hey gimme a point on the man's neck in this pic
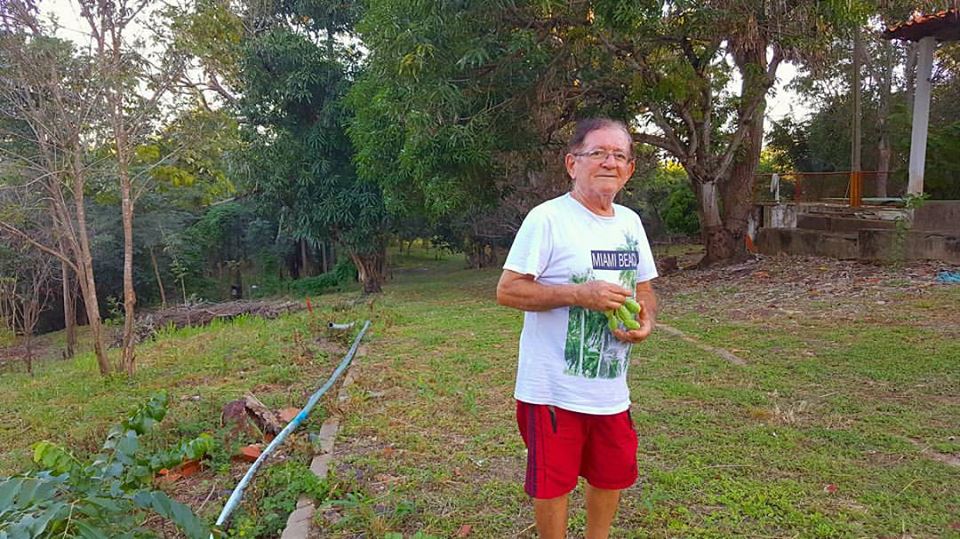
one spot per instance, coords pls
(597, 205)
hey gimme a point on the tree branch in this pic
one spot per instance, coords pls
(746, 115)
(676, 148)
(26, 237)
(660, 142)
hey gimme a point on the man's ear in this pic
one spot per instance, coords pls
(570, 161)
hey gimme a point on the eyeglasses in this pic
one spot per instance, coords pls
(599, 156)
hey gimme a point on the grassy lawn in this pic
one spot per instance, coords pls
(280, 361)
(843, 423)
(831, 430)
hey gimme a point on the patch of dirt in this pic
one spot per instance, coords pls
(13, 358)
(765, 286)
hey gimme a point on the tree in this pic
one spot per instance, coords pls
(300, 160)
(27, 278)
(283, 70)
(46, 106)
(821, 143)
(453, 91)
(461, 110)
(684, 54)
(124, 75)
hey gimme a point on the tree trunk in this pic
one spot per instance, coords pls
(323, 257)
(371, 269)
(717, 240)
(156, 273)
(884, 150)
(129, 293)
(88, 286)
(727, 202)
(304, 258)
(69, 310)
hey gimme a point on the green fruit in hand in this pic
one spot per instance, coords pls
(612, 322)
(631, 324)
(627, 318)
(633, 306)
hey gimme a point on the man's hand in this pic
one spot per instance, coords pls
(637, 335)
(600, 296)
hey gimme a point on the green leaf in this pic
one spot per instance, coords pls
(8, 492)
(89, 531)
(176, 512)
(28, 491)
(53, 457)
(56, 511)
(127, 447)
(105, 503)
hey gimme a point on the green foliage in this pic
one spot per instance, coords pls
(273, 497)
(299, 161)
(941, 178)
(444, 101)
(67, 497)
(213, 34)
(344, 271)
(666, 199)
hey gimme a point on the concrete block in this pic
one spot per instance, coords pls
(885, 245)
(796, 241)
(328, 434)
(320, 465)
(812, 221)
(938, 216)
(299, 523)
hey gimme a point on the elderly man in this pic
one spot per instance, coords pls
(576, 259)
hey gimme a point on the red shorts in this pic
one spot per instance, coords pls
(562, 445)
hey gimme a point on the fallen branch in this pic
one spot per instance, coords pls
(182, 316)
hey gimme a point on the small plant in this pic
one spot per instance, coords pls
(265, 512)
(114, 310)
(903, 224)
(67, 497)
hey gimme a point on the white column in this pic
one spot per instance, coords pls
(921, 115)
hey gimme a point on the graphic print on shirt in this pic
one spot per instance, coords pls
(591, 350)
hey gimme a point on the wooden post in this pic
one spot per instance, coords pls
(856, 180)
(921, 116)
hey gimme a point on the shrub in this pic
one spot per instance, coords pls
(680, 211)
(66, 497)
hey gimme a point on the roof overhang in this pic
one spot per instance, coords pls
(943, 25)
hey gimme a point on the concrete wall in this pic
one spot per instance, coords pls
(846, 234)
(780, 216)
(938, 216)
(887, 245)
(796, 241)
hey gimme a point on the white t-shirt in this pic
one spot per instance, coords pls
(568, 357)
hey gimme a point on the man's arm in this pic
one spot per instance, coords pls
(648, 298)
(521, 291)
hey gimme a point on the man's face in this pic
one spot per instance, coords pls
(601, 174)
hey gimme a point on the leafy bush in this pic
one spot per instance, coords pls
(67, 497)
(665, 201)
(343, 272)
(680, 211)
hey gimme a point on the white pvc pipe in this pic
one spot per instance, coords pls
(237, 493)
